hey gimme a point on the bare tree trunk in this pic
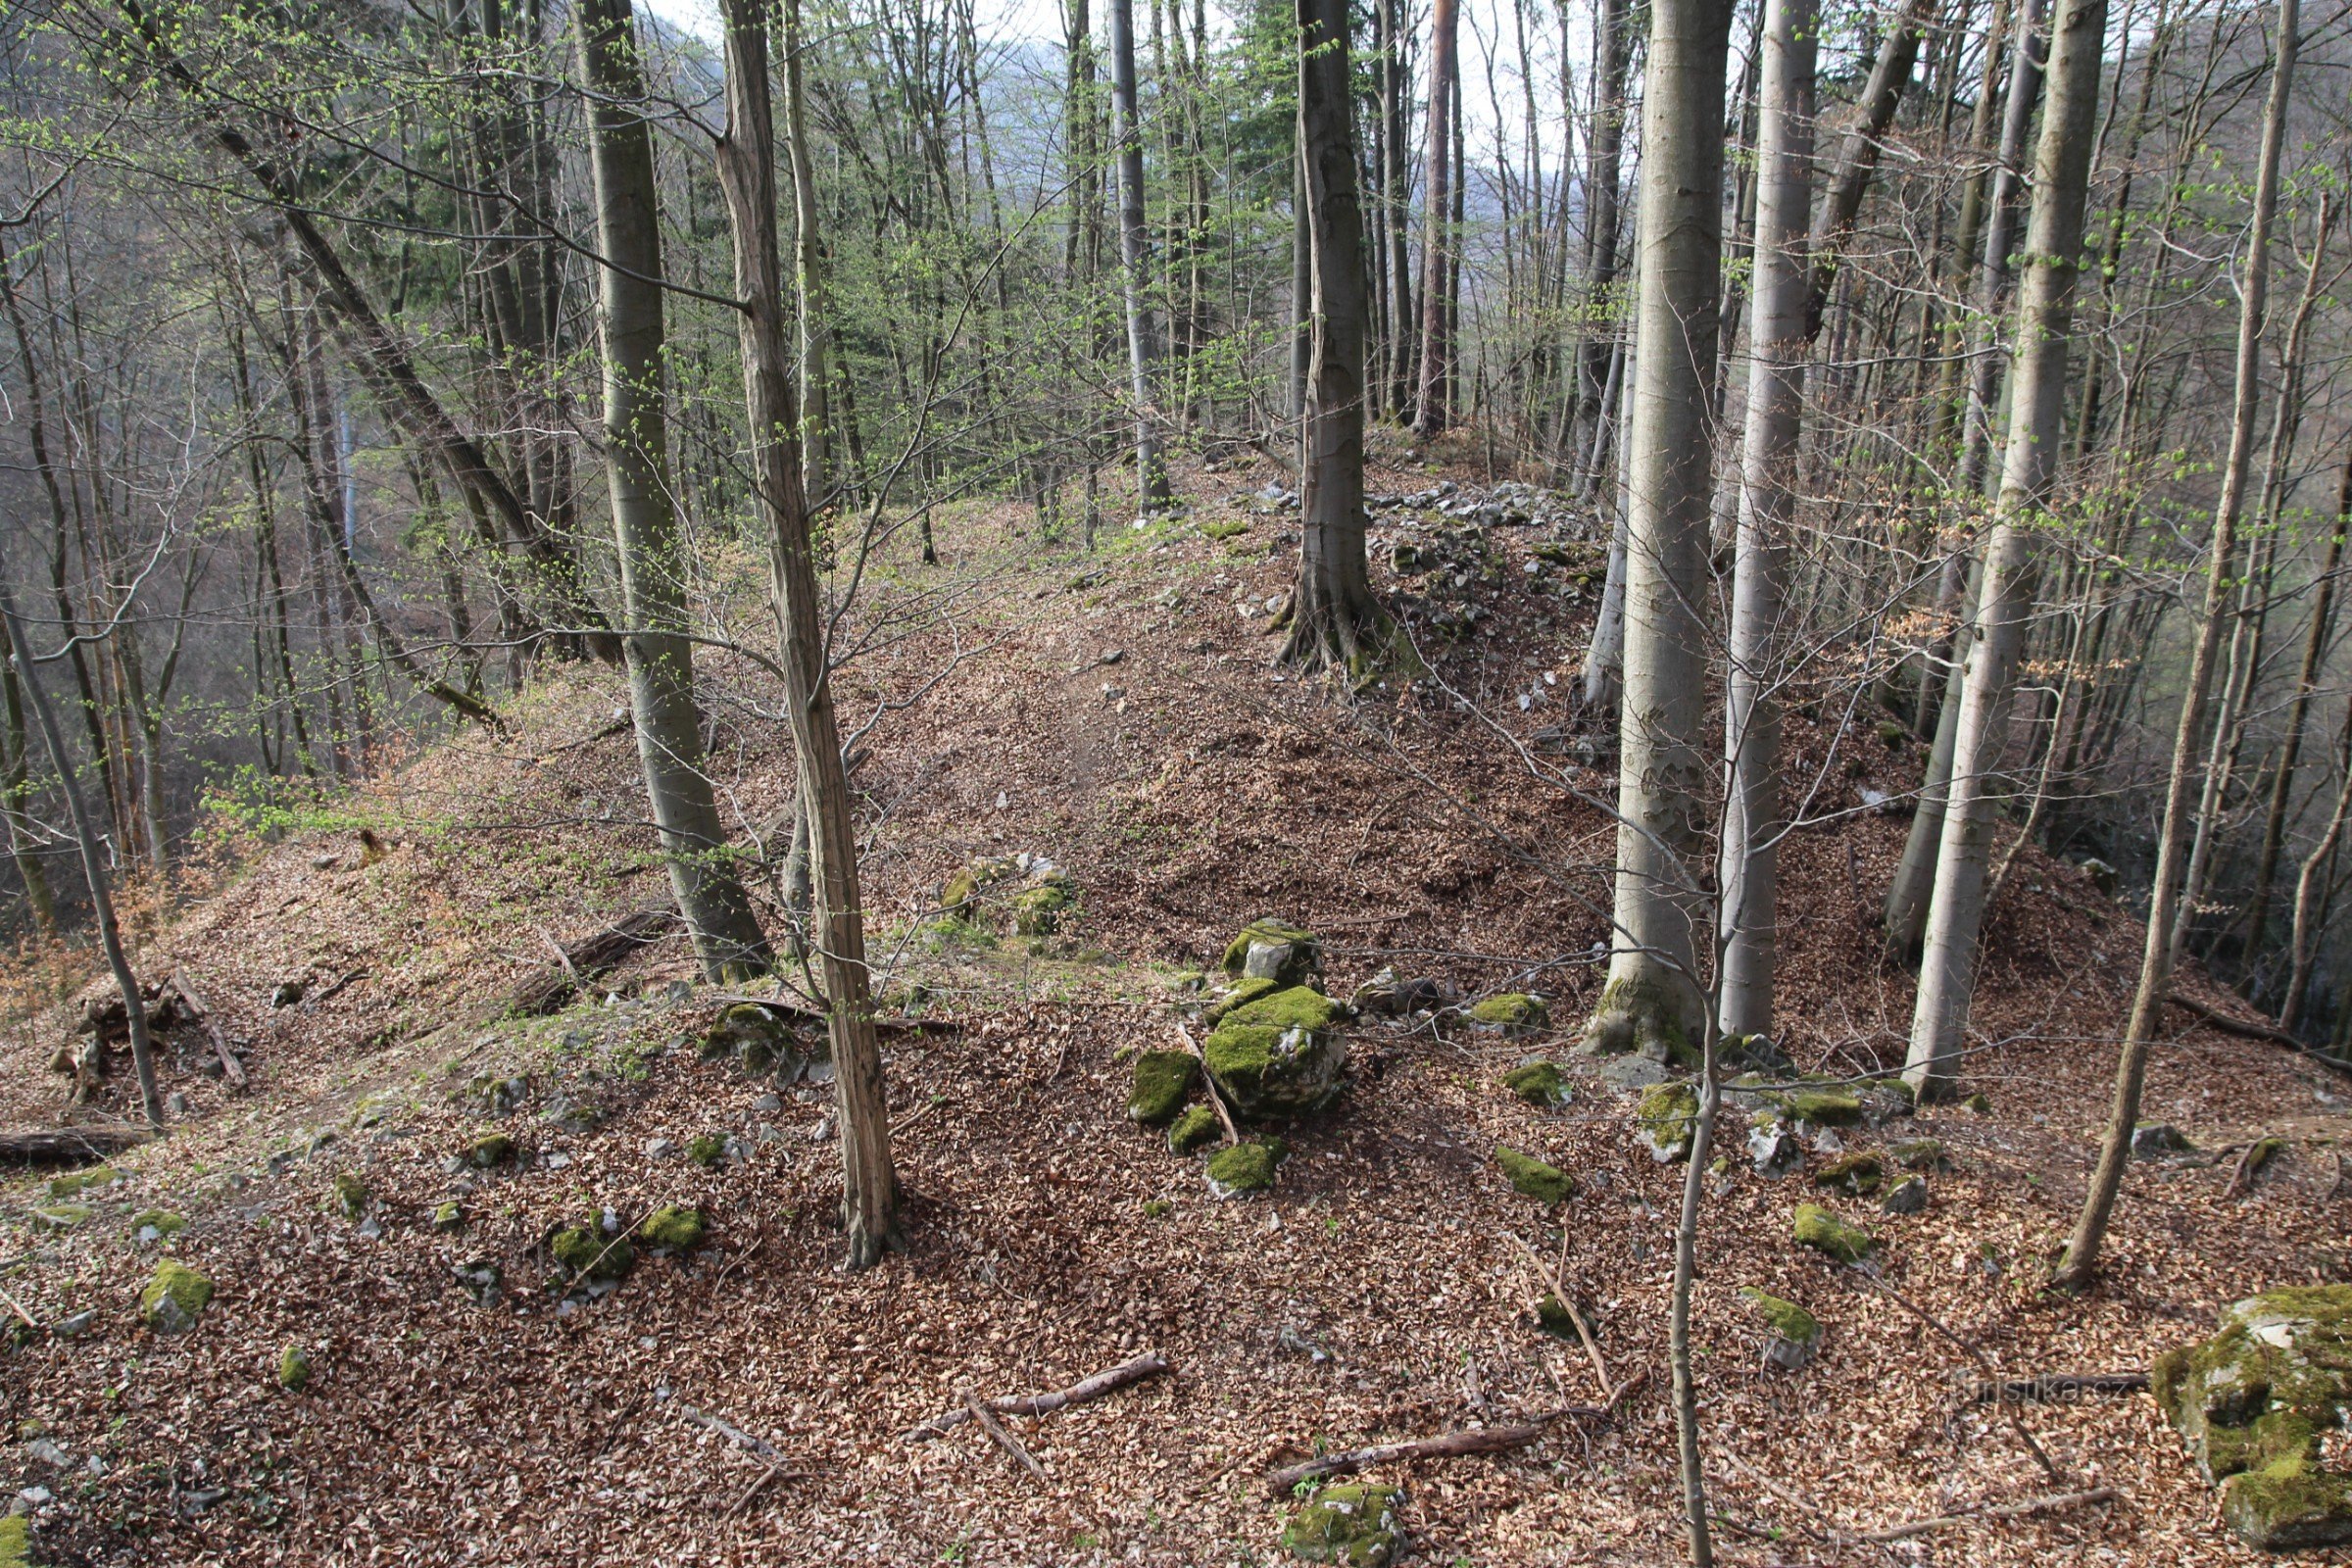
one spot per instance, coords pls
(2161, 952)
(1997, 634)
(2303, 937)
(1858, 155)
(93, 860)
(747, 175)
(1653, 1000)
(1603, 172)
(808, 277)
(1135, 252)
(1428, 396)
(1333, 611)
(645, 526)
(1785, 260)
(16, 803)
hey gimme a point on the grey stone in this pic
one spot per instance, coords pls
(1908, 1197)
(1774, 1149)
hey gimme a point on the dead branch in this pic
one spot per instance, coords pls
(2246, 1029)
(1560, 1293)
(1216, 1101)
(2054, 1503)
(1973, 1354)
(550, 986)
(1476, 1439)
(2050, 1387)
(734, 1434)
(2258, 1154)
(1002, 1438)
(1143, 1367)
(203, 1015)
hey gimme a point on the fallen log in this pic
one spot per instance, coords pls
(2246, 1029)
(2051, 1388)
(1475, 1440)
(600, 953)
(67, 1145)
(1142, 1368)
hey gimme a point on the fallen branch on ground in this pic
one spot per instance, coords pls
(1476, 1439)
(2259, 1153)
(596, 954)
(1559, 1293)
(2246, 1029)
(197, 1011)
(2055, 1502)
(734, 1434)
(1002, 1438)
(2016, 1422)
(1143, 1367)
(2050, 1387)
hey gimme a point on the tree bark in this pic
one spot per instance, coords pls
(747, 175)
(630, 319)
(1429, 394)
(1135, 254)
(1858, 155)
(1786, 262)
(2161, 952)
(2037, 415)
(1653, 1000)
(93, 860)
(1334, 615)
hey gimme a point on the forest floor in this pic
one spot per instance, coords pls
(1376, 1295)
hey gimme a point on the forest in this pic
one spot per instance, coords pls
(1497, 781)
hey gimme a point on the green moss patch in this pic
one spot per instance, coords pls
(156, 1225)
(707, 1149)
(293, 1369)
(60, 1217)
(351, 1194)
(1274, 949)
(74, 1183)
(174, 1299)
(1823, 1107)
(1539, 1083)
(1245, 1167)
(1163, 1079)
(1243, 993)
(1666, 1119)
(672, 1230)
(1816, 1227)
(1787, 1320)
(1919, 1154)
(1278, 1055)
(489, 1150)
(1355, 1526)
(1512, 1012)
(1042, 910)
(1856, 1175)
(1195, 1127)
(1530, 1177)
(584, 1254)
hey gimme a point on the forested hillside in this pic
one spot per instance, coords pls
(1496, 783)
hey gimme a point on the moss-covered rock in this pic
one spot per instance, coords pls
(1539, 1083)
(16, 1541)
(1195, 1127)
(1816, 1227)
(174, 1299)
(756, 1037)
(293, 1369)
(586, 1255)
(74, 1183)
(707, 1149)
(1245, 1167)
(1513, 1012)
(450, 1217)
(1856, 1175)
(672, 1230)
(1163, 1080)
(1979, 1104)
(1919, 1154)
(1355, 1526)
(156, 1225)
(1666, 1119)
(351, 1194)
(60, 1217)
(1274, 949)
(1906, 1196)
(2154, 1140)
(1796, 1334)
(1041, 909)
(2256, 1402)
(968, 882)
(1823, 1107)
(1279, 1055)
(489, 1150)
(1530, 1177)
(1554, 1318)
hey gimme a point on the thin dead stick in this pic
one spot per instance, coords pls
(1216, 1102)
(775, 1468)
(1002, 1438)
(1560, 1293)
(1142, 1368)
(2055, 1502)
(2051, 1386)
(734, 1434)
(2259, 1153)
(17, 1307)
(565, 959)
(1802, 1504)
(1476, 1439)
(230, 1064)
(2016, 1422)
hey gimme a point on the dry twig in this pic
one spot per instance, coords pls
(1002, 1438)
(1146, 1367)
(2054, 1503)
